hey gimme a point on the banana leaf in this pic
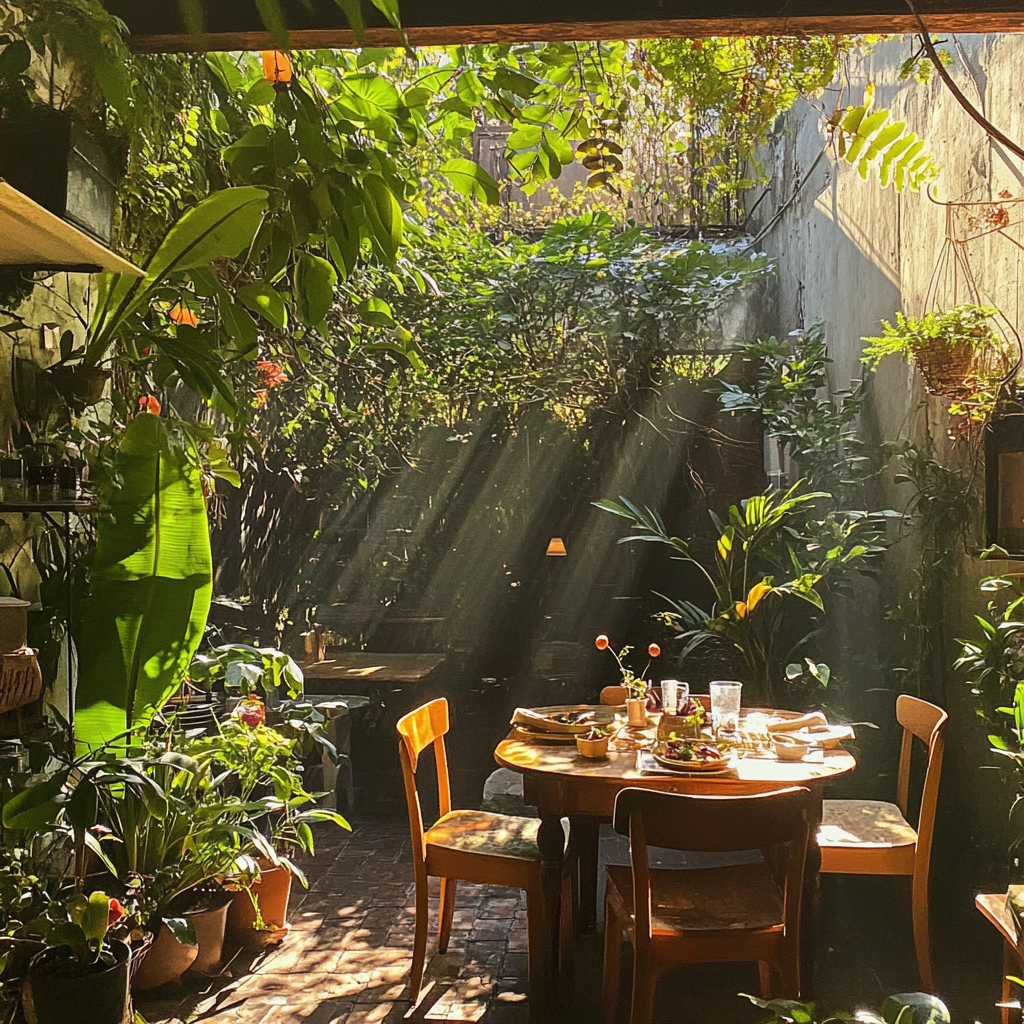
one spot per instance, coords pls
(151, 583)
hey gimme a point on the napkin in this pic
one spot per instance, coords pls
(796, 724)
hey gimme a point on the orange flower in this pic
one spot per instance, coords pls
(601, 643)
(271, 374)
(147, 403)
(181, 313)
(654, 650)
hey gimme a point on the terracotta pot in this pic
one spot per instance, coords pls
(210, 926)
(166, 960)
(272, 890)
(55, 991)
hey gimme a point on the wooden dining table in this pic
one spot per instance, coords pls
(561, 783)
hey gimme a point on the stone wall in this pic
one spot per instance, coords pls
(851, 255)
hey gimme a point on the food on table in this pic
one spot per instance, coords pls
(690, 751)
(596, 732)
(572, 717)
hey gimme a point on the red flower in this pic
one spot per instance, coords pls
(251, 712)
(601, 643)
(654, 650)
(147, 403)
(114, 913)
(271, 374)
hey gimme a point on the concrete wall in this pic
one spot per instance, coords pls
(851, 254)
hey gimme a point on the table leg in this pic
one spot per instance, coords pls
(584, 838)
(551, 843)
(811, 901)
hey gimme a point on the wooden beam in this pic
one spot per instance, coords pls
(235, 24)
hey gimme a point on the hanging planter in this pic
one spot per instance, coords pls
(952, 349)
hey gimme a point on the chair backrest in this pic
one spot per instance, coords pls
(616, 695)
(928, 723)
(682, 821)
(421, 728)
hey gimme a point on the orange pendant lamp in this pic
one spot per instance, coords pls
(277, 68)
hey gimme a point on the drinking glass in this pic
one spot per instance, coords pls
(725, 705)
(673, 693)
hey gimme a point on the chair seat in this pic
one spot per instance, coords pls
(742, 897)
(863, 823)
(865, 837)
(480, 832)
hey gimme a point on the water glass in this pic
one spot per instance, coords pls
(725, 706)
(673, 693)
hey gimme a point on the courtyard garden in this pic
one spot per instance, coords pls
(507, 531)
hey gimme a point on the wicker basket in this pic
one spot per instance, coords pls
(947, 369)
(21, 682)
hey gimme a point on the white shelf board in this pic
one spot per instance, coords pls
(31, 236)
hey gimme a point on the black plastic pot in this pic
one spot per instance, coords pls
(57, 986)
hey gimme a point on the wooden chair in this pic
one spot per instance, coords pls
(475, 846)
(738, 913)
(871, 837)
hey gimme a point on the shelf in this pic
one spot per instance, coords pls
(33, 238)
(82, 504)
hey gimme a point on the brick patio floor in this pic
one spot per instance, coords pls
(347, 957)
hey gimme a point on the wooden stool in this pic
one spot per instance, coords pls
(993, 907)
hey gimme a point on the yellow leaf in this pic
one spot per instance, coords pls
(757, 591)
(741, 610)
(869, 95)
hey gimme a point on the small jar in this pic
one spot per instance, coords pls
(636, 712)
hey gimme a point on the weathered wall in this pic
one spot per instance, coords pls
(851, 254)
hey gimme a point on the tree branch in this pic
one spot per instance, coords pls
(977, 115)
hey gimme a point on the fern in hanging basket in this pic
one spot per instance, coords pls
(948, 347)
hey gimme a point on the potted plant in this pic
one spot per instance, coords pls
(80, 968)
(687, 723)
(945, 345)
(636, 687)
(265, 768)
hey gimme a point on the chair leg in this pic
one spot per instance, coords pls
(1011, 965)
(536, 944)
(922, 936)
(565, 936)
(788, 977)
(645, 982)
(612, 963)
(764, 970)
(446, 914)
(419, 945)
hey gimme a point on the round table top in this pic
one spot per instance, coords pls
(562, 763)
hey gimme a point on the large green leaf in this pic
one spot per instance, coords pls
(151, 584)
(220, 227)
(470, 179)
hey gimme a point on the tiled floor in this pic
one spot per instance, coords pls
(347, 957)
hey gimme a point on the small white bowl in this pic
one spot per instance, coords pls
(789, 749)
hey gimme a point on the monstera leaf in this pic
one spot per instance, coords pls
(151, 583)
